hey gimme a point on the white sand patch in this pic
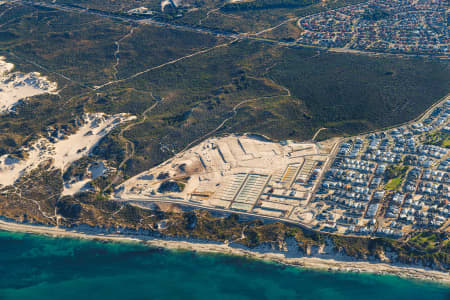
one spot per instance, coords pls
(140, 11)
(5, 67)
(98, 170)
(62, 151)
(164, 4)
(92, 172)
(76, 187)
(175, 3)
(17, 86)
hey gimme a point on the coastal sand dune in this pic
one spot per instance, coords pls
(61, 151)
(16, 86)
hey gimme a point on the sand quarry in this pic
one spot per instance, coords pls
(17, 86)
(61, 151)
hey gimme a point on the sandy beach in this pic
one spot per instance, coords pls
(329, 264)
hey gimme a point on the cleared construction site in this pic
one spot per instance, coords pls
(240, 173)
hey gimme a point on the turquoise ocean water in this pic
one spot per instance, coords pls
(38, 267)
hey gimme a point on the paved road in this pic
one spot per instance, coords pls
(150, 21)
(218, 33)
(325, 168)
(141, 203)
(224, 34)
(285, 220)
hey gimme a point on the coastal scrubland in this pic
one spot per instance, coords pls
(244, 16)
(184, 86)
(217, 86)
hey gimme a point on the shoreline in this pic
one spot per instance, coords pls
(307, 262)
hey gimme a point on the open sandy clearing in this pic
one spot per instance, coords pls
(62, 151)
(93, 171)
(16, 86)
